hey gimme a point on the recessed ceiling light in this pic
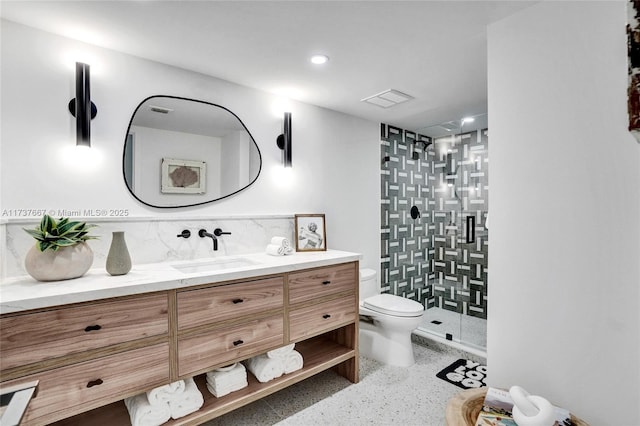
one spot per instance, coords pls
(319, 59)
(468, 120)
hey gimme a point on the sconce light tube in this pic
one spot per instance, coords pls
(81, 107)
(284, 140)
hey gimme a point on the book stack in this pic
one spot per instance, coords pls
(497, 410)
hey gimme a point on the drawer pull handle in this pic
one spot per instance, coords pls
(236, 301)
(326, 282)
(94, 383)
(92, 328)
(325, 316)
(238, 342)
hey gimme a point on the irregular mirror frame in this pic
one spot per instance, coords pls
(181, 152)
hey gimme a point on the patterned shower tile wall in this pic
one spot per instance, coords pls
(405, 242)
(428, 259)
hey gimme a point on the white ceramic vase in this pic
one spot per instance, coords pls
(63, 264)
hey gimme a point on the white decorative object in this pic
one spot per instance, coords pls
(531, 410)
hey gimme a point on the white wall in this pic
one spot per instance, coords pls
(38, 141)
(564, 309)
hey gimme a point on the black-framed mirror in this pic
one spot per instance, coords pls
(181, 152)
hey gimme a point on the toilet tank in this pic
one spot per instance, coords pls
(368, 283)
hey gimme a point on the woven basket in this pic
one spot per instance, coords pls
(464, 407)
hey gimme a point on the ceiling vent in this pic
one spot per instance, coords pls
(388, 98)
(160, 110)
(450, 125)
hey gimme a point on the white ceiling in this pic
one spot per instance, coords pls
(434, 51)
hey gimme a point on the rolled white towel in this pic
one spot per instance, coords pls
(292, 362)
(186, 402)
(275, 250)
(142, 413)
(162, 394)
(281, 352)
(281, 241)
(265, 368)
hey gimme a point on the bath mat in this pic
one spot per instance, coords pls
(465, 374)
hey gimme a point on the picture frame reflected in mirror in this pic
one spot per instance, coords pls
(183, 176)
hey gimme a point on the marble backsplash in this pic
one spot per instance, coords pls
(153, 240)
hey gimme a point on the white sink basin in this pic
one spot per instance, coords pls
(213, 264)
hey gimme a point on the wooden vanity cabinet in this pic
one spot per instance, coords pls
(153, 339)
(79, 387)
(44, 335)
(86, 355)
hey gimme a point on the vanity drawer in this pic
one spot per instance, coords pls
(30, 338)
(308, 285)
(67, 391)
(209, 305)
(199, 353)
(316, 319)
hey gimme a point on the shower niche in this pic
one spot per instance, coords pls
(439, 257)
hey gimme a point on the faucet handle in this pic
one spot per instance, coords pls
(184, 234)
(217, 232)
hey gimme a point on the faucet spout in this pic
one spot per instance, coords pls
(203, 233)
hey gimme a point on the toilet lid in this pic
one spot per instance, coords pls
(393, 305)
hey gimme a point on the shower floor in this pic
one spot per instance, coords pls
(463, 329)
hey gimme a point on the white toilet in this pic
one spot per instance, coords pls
(386, 323)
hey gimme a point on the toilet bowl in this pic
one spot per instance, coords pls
(386, 323)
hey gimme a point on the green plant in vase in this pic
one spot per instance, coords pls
(61, 251)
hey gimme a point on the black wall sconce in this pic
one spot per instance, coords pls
(81, 107)
(284, 140)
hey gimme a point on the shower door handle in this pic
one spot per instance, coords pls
(471, 229)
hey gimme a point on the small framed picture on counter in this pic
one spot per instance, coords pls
(311, 234)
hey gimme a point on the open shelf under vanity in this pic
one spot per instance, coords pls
(319, 353)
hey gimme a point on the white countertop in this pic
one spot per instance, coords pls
(24, 293)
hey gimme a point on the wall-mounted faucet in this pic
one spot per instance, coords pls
(203, 233)
(217, 232)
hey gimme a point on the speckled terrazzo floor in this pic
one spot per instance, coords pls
(385, 395)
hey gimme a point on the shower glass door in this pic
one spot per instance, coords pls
(456, 287)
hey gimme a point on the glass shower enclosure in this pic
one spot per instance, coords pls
(457, 287)
(435, 199)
